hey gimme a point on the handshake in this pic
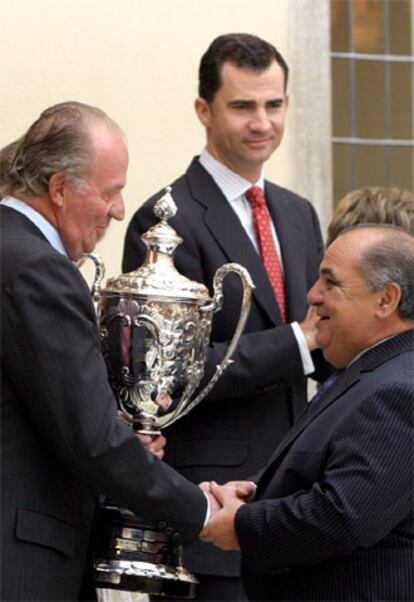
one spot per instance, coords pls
(225, 500)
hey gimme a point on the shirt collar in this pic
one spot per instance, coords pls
(45, 227)
(230, 183)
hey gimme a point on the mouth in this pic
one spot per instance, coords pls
(321, 319)
(258, 141)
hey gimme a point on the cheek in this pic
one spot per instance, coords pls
(324, 335)
(278, 123)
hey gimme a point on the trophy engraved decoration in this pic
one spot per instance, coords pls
(155, 328)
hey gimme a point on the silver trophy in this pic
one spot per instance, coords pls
(155, 328)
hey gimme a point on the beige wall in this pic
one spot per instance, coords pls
(136, 59)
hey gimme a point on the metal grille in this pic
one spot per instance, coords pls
(372, 74)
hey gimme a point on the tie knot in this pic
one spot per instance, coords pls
(255, 197)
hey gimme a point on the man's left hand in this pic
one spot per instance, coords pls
(155, 445)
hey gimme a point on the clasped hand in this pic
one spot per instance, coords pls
(225, 500)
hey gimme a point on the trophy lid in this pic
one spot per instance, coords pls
(157, 276)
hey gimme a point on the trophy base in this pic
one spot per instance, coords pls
(135, 557)
(144, 577)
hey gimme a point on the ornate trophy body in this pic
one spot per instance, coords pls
(155, 328)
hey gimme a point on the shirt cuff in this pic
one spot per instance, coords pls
(208, 511)
(305, 356)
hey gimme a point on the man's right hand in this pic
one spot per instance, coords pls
(308, 327)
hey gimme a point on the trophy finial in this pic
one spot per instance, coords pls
(165, 208)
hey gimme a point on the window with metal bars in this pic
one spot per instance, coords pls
(372, 93)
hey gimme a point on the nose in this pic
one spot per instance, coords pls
(314, 296)
(117, 210)
(260, 121)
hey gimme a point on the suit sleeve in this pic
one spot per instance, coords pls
(263, 360)
(364, 491)
(49, 323)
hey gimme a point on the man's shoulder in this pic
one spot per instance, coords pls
(24, 248)
(279, 192)
(179, 188)
(389, 365)
(194, 183)
(393, 349)
(292, 206)
(18, 234)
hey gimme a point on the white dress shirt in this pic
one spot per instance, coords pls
(234, 188)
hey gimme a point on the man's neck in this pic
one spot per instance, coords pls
(41, 204)
(251, 174)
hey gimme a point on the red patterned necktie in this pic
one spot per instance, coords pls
(268, 252)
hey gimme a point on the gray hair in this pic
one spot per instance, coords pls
(58, 141)
(391, 259)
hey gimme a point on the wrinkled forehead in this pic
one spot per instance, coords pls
(342, 258)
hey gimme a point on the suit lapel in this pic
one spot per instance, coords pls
(225, 227)
(346, 380)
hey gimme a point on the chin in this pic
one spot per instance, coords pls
(260, 154)
(75, 256)
(89, 247)
(100, 235)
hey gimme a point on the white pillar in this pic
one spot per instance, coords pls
(310, 88)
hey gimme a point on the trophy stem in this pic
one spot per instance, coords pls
(144, 424)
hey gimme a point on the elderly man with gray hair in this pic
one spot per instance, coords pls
(62, 442)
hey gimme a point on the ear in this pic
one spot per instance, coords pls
(203, 110)
(388, 300)
(57, 185)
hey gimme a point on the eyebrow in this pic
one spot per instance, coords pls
(250, 102)
(115, 188)
(327, 272)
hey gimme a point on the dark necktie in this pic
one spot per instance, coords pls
(327, 384)
(267, 248)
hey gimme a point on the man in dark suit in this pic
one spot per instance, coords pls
(333, 512)
(242, 104)
(62, 442)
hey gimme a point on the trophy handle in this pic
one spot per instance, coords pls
(99, 275)
(214, 306)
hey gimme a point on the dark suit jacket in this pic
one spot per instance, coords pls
(233, 432)
(334, 516)
(62, 443)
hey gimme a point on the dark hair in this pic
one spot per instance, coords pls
(58, 141)
(373, 205)
(241, 49)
